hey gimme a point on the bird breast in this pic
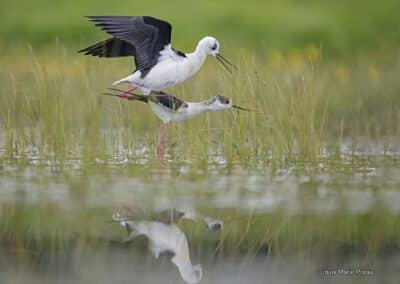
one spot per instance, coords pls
(169, 72)
(168, 115)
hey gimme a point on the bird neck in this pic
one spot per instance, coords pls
(197, 108)
(185, 267)
(197, 57)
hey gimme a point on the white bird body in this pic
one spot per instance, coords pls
(162, 238)
(171, 109)
(168, 115)
(170, 70)
(148, 40)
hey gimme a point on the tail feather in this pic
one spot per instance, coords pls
(124, 80)
(128, 79)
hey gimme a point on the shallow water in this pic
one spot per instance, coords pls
(356, 184)
(128, 266)
(281, 224)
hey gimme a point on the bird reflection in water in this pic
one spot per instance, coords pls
(165, 236)
(174, 215)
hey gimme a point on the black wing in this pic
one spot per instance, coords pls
(147, 34)
(169, 101)
(111, 47)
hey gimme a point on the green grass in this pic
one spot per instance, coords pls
(302, 105)
(47, 227)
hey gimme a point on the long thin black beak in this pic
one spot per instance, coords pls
(241, 108)
(225, 62)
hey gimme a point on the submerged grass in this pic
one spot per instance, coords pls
(252, 233)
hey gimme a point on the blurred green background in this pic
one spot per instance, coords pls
(339, 27)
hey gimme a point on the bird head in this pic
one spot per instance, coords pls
(210, 46)
(221, 103)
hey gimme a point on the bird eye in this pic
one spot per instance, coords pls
(214, 47)
(224, 101)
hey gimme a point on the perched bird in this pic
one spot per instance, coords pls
(170, 108)
(164, 238)
(148, 40)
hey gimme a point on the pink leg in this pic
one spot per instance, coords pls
(125, 94)
(161, 140)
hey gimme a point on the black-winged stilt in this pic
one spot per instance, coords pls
(170, 108)
(164, 238)
(148, 40)
(173, 215)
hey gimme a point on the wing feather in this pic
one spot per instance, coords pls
(166, 100)
(147, 35)
(111, 47)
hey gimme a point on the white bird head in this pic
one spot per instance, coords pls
(221, 103)
(210, 46)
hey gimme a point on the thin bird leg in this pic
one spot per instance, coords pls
(161, 140)
(126, 97)
(125, 94)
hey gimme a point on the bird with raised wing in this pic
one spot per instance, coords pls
(148, 40)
